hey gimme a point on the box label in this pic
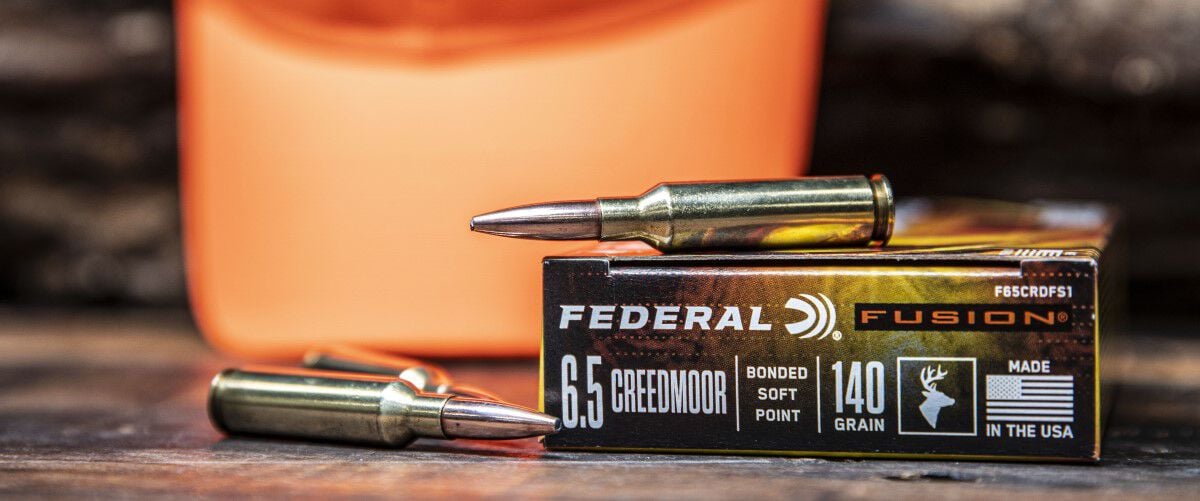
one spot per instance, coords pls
(888, 360)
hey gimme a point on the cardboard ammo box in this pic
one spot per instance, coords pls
(976, 333)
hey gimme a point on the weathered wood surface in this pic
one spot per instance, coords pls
(114, 405)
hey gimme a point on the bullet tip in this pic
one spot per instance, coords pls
(484, 419)
(550, 221)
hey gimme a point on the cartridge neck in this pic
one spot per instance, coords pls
(405, 413)
(619, 218)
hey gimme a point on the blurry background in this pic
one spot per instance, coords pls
(1012, 99)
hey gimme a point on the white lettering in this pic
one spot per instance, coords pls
(665, 317)
(776, 372)
(627, 311)
(732, 318)
(697, 315)
(570, 312)
(755, 316)
(669, 391)
(602, 317)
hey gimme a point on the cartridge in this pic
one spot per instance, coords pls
(760, 214)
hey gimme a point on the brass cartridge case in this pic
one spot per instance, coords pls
(768, 214)
(324, 405)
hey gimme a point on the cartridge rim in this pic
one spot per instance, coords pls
(885, 209)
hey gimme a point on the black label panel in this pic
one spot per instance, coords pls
(779, 360)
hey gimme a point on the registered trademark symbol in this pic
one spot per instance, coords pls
(837, 335)
(1062, 316)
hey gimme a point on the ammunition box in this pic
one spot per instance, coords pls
(976, 334)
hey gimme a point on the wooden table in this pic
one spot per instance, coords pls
(113, 404)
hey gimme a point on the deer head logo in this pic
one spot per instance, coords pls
(934, 399)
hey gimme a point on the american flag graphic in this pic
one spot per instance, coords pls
(1034, 399)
